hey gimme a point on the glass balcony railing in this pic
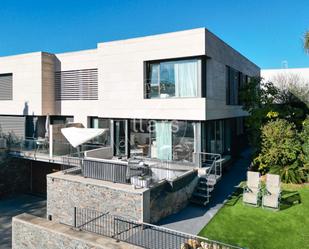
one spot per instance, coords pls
(41, 148)
(29, 147)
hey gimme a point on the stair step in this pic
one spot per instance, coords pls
(205, 186)
(200, 195)
(210, 178)
(207, 183)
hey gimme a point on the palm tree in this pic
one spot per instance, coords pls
(306, 42)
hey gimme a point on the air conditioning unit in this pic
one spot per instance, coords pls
(3, 143)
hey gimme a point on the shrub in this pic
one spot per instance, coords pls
(305, 143)
(280, 151)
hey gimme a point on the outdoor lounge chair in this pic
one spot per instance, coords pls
(272, 193)
(252, 189)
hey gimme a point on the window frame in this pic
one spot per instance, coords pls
(234, 99)
(201, 85)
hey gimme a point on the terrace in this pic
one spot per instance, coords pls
(98, 161)
(159, 187)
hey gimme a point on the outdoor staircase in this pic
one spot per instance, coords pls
(207, 181)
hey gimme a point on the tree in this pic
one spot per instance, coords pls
(305, 142)
(293, 87)
(287, 95)
(258, 98)
(280, 151)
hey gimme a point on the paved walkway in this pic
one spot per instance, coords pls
(13, 206)
(193, 218)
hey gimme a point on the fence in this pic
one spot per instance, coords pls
(137, 233)
(68, 162)
(107, 171)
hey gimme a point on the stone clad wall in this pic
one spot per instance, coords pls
(64, 192)
(170, 197)
(30, 232)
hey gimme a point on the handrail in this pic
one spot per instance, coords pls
(215, 169)
(85, 219)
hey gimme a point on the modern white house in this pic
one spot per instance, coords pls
(167, 107)
(163, 96)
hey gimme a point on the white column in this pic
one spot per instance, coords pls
(197, 143)
(51, 141)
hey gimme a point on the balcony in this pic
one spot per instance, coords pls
(40, 150)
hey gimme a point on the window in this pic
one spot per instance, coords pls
(6, 86)
(140, 138)
(77, 84)
(178, 78)
(166, 140)
(215, 135)
(219, 134)
(183, 141)
(235, 80)
(105, 138)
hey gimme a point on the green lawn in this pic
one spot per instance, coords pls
(257, 228)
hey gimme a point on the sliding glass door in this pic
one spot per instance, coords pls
(215, 136)
(120, 138)
(163, 135)
(173, 140)
(102, 123)
(219, 135)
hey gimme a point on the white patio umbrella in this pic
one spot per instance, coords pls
(78, 136)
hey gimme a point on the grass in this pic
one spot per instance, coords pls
(257, 228)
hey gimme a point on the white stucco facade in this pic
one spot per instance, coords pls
(121, 77)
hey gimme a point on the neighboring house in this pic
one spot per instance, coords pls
(190, 78)
(287, 77)
(293, 80)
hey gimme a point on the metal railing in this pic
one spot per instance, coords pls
(112, 170)
(213, 164)
(138, 233)
(212, 161)
(68, 162)
(107, 171)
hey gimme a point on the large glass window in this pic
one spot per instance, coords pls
(104, 139)
(166, 140)
(219, 136)
(139, 138)
(183, 141)
(215, 136)
(163, 140)
(168, 79)
(120, 140)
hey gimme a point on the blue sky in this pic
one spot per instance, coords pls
(267, 32)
